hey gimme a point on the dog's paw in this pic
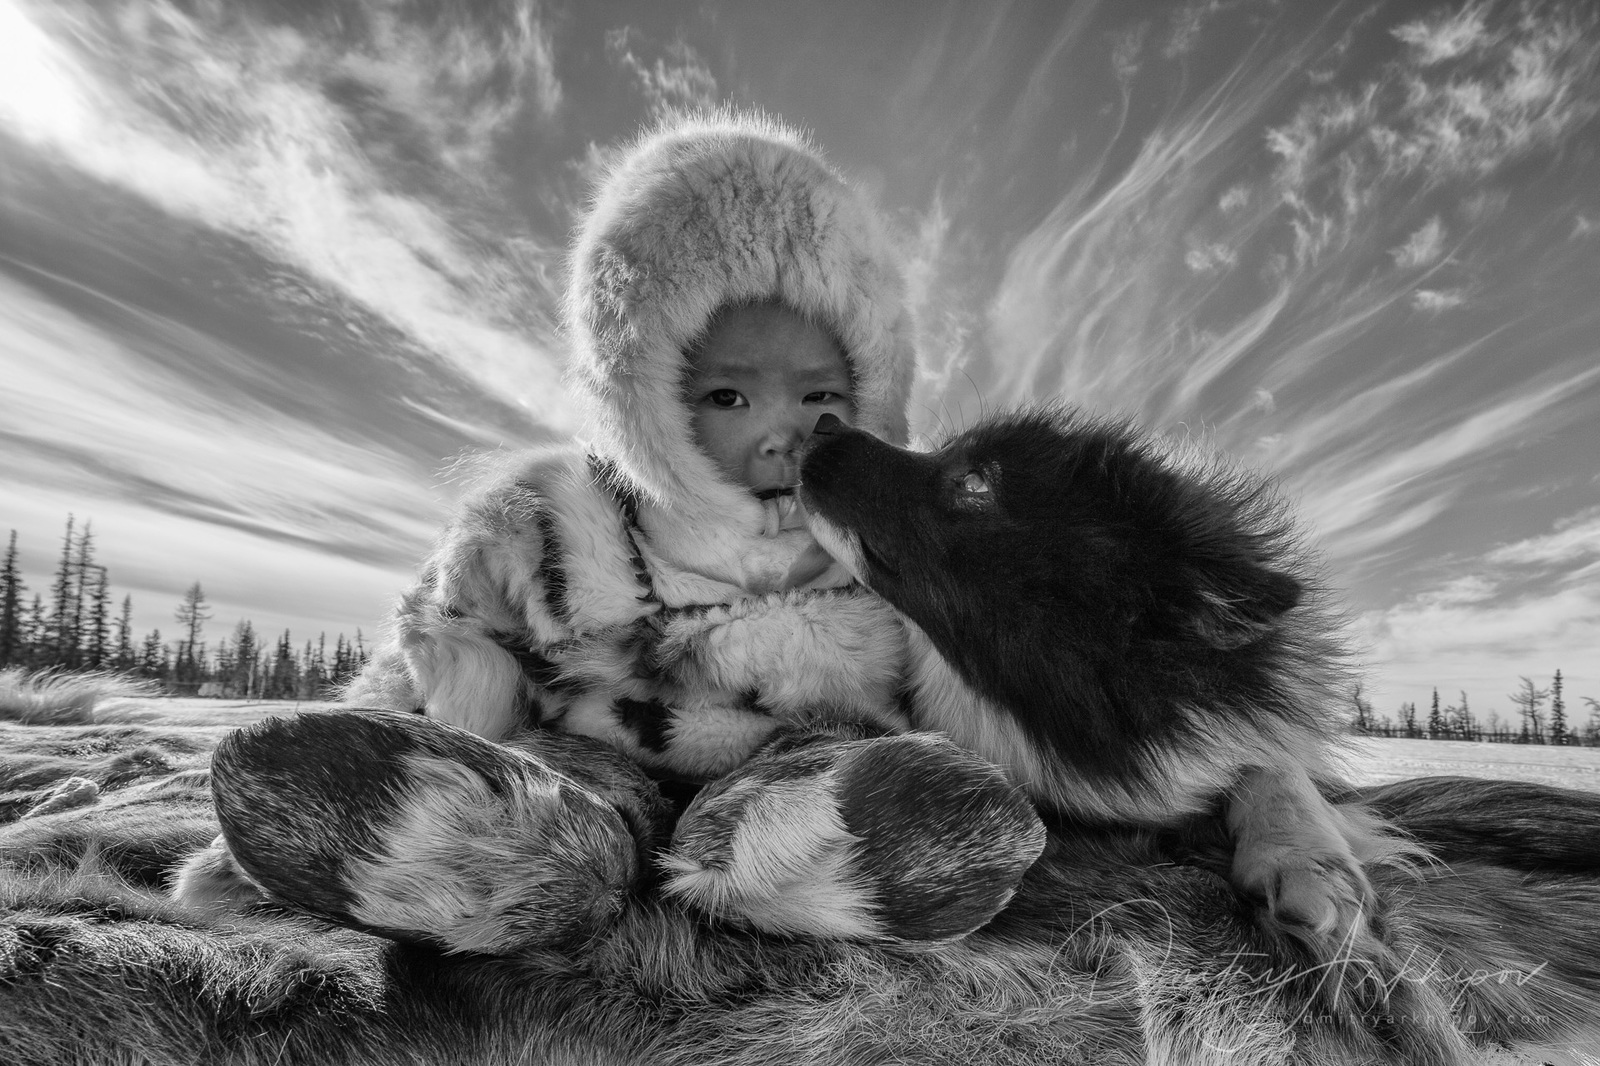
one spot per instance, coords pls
(1321, 901)
(420, 831)
(903, 838)
(1306, 891)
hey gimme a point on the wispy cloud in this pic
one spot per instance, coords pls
(1369, 495)
(1575, 539)
(349, 157)
(1422, 248)
(1436, 300)
(90, 416)
(1210, 268)
(672, 77)
(1447, 35)
(1534, 601)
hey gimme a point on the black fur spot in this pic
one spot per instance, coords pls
(647, 719)
(535, 667)
(298, 797)
(552, 573)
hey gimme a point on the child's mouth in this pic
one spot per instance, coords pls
(782, 510)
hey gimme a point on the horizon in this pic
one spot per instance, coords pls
(267, 271)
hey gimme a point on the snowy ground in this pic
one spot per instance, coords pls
(1376, 759)
(196, 712)
(1372, 760)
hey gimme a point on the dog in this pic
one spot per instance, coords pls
(1132, 630)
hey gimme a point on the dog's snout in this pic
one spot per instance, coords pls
(829, 427)
(828, 423)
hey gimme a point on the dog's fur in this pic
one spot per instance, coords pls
(1128, 628)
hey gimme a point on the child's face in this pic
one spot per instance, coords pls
(758, 384)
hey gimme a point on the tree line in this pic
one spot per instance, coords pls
(1541, 718)
(76, 629)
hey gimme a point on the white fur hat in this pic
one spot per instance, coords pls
(717, 210)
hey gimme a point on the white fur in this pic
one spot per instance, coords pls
(473, 867)
(721, 210)
(708, 741)
(802, 650)
(470, 680)
(787, 869)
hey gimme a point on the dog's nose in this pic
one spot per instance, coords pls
(828, 423)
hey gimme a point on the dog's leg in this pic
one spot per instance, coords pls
(1290, 853)
(1302, 860)
(427, 833)
(902, 838)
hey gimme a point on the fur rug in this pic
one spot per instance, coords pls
(1151, 963)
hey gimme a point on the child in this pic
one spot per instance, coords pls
(659, 592)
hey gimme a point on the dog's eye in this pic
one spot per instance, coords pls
(974, 483)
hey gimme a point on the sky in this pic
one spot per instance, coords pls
(268, 268)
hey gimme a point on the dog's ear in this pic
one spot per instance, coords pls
(1239, 601)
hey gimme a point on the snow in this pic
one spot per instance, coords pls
(1375, 760)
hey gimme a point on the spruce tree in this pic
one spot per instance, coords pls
(59, 637)
(1435, 719)
(321, 664)
(99, 649)
(338, 659)
(35, 634)
(1408, 718)
(77, 652)
(12, 590)
(1558, 712)
(246, 653)
(1464, 723)
(125, 658)
(153, 657)
(284, 681)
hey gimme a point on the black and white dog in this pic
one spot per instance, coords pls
(1130, 629)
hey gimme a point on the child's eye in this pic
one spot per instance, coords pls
(725, 398)
(825, 397)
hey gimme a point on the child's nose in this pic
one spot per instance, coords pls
(785, 433)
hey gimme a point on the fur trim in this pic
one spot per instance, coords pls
(718, 210)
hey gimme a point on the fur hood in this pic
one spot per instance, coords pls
(717, 210)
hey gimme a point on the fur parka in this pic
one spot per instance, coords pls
(625, 590)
